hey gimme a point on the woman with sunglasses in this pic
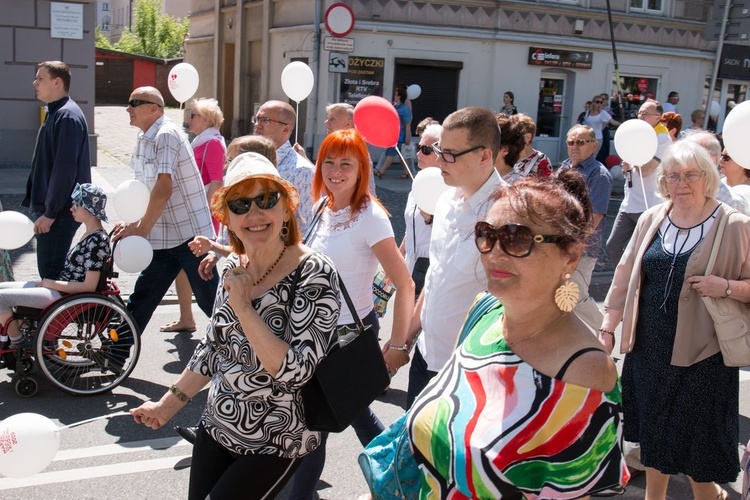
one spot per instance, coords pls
(529, 403)
(83, 265)
(274, 319)
(415, 247)
(735, 176)
(353, 229)
(680, 401)
(597, 117)
(210, 152)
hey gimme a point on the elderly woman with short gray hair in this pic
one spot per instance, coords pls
(679, 399)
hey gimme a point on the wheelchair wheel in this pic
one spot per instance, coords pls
(26, 387)
(87, 344)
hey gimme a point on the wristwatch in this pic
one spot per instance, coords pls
(728, 292)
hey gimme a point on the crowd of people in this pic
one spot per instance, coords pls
(527, 401)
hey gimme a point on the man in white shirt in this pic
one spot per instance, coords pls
(177, 210)
(640, 187)
(276, 120)
(466, 154)
(672, 100)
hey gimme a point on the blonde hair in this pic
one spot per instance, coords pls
(209, 109)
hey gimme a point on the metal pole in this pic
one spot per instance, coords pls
(717, 61)
(614, 57)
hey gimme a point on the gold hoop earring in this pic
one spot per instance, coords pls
(566, 295)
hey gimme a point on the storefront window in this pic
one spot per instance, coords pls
(635, 90)
(549, 112)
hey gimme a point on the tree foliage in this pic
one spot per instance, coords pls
(153, 33)
(102, 42)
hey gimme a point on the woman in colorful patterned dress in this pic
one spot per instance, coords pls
(274, 318)
(529, 404)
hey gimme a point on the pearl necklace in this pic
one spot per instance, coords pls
(511, 344)
(240, 270)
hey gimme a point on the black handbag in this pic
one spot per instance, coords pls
(348, 379)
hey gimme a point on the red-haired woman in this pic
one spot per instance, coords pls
(355, 233)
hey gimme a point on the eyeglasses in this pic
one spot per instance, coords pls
(264, 120)
(689, 177)
(425, 149)
(515, 240)
(451, 157)
(134, 103)
(263, 201)
(598, 102)
(579, 142)
(725, 157)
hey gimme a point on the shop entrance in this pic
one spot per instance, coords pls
(553, 114)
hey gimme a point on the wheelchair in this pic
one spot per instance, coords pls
(84, 344)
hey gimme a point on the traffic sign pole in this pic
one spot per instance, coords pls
(717, 62)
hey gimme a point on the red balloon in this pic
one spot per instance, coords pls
(377, 120)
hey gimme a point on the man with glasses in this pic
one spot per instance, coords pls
(582, 145)
(466, 153)
(640, 188)
(276, 120)
(177, 210)
(61, 160)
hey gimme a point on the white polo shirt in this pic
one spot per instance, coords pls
(456, 274)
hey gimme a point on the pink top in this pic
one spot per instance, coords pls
(210, 157)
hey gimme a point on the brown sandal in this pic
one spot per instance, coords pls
(378, 174)
(176, 326)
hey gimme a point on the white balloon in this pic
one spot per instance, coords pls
(297, 80)
(28, 444)
(131, 200)
(183, 81)
(15, 230)
(413, 91)
(427, 187)
(636, 142)
(616, 173)
(133, 254)
(736, 133)
(715, 108)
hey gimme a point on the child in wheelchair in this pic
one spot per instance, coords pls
(83, 265)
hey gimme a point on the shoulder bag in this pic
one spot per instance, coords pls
(731, 317)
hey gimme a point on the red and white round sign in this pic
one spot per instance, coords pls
(339, 19)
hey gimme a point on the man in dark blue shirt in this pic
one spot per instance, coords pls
(61, 160)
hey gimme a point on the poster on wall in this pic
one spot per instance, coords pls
(363, 78)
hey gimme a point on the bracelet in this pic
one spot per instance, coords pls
(404, 347)
(608, 332)
(176, 392)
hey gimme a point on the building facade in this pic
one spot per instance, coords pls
(26, 39)
(553, 55)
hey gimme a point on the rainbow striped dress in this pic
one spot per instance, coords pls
(490, 426)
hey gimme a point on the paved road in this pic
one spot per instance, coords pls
(115, 459)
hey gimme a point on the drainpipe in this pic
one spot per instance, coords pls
(312, 108)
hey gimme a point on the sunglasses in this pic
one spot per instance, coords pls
(579, 142)
(726, 157)
(515, 240)
(598, 102)
(452, 157)
(425, 149)
(266, 201)
(264, 120)
(134, 103)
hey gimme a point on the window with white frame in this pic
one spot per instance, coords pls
(105, 6)
(647, 5)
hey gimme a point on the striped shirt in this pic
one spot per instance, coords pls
(164, 149)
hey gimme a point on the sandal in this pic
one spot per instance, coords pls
(405, 176)
(378, 174)
(176, 326)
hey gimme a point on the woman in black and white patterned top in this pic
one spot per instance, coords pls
(274, 319)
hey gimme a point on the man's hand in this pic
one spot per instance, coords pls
(300, 150)
(123, 230)
(205, 268)
(200, 245)
(43, 224)
(626, 167)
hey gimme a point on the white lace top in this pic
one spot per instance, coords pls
(348, 242)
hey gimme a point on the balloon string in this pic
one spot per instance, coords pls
(643, 187)
(116, 414)
(296, 125)
(405, 164)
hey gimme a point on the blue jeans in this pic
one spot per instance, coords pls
(154, 281)
(53, 247)
(367, 426)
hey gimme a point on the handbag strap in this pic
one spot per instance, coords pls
(717, 239)
(316, 219)
(350, 305)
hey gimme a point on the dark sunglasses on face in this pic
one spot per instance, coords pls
(265, 201)
(134, 103)
(579, 142)
(425, 149)
(515, 240)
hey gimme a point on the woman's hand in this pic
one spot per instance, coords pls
(200, 245)
(44, 283)
(205, 268)
(709, 286)
(607, 340)
(394, 359)
(239, 283)
(151, 414)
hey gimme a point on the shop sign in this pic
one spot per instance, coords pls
(735, 62)
(560, 58)
(364, 77)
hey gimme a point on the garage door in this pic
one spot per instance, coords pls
(114, 81)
